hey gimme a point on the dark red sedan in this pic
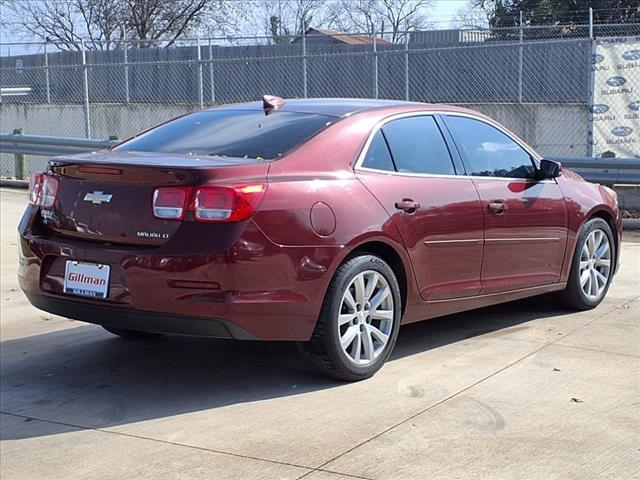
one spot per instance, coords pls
(328, 222)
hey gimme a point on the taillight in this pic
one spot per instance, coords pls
(43, 189)
(49, 191)
(227, 204)
(210, 203)
(35, 188)
(171, 202)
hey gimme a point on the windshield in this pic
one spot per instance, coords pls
(231, 133)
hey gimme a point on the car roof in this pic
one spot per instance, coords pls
(337, 107)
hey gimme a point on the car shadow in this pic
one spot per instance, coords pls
(86, 377)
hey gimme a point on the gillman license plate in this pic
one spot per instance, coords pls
(86, 279)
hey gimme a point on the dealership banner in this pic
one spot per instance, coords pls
(615, 109)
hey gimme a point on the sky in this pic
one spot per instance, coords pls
(443, 10)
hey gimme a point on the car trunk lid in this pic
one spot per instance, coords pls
(107, 196)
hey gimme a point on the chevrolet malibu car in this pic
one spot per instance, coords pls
(326, 222)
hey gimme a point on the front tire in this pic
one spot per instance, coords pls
(592, 266)
(359, 320)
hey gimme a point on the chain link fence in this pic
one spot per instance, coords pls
(538, 81)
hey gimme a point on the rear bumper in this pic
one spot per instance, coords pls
(253, 290)
(154, 322)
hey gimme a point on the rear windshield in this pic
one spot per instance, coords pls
(231, 133)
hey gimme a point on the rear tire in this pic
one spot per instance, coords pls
(132, 334)
(592, 266)
(359, 320)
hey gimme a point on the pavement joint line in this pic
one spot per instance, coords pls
(468, 387)
(210, 450)
(608, 352)
(167, 442)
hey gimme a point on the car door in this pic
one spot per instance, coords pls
(409, 168)
(525, 218)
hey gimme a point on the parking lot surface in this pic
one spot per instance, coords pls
(525, 390)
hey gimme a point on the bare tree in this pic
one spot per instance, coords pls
(382, 17)
(356, 16)
(283, 19)
(404, 15)
(101, 23)
(67, 22)
(472, 15)
(156, 19)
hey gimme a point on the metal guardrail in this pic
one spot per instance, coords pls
(46, 146)
(608, 171)
(50, 146)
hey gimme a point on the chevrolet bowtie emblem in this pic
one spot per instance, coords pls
(98, 197)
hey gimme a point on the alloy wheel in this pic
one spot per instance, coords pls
(366, 317)
(595, 264)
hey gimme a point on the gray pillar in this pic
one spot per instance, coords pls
(212, 97)
(406, 66)
(125, 52)
(46, 73)
(375, 66)
(85, 78)
(200, 91)
(520, 52)
(304, 64)
(20, 164)
(591, 100)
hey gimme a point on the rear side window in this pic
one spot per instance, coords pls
(378, 155)
(231, 133)
(417, 146)
(488, 151)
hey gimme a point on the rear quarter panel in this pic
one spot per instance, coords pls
(314, 199)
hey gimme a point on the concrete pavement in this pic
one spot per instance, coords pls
(522, 390)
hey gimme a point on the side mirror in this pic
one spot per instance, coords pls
(549, 169)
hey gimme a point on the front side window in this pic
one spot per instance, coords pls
(488, 151)
(231, 133)
(417, 146)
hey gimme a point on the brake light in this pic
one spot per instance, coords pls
(171, 202)
(43, 189)
(227, 204)
(101, 170)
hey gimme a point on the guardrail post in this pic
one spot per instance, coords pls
(85, 78)
(199, 57)
(213, 85)
(375, 66)
(406, 65)
(19, 167)
(125, 48)
(46, 73)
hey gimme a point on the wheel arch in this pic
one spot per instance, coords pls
(608, 217)
(392, 257)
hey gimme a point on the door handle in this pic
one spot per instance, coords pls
(407, 205)
(497, 208)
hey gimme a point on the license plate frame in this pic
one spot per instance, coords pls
(86, 279)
